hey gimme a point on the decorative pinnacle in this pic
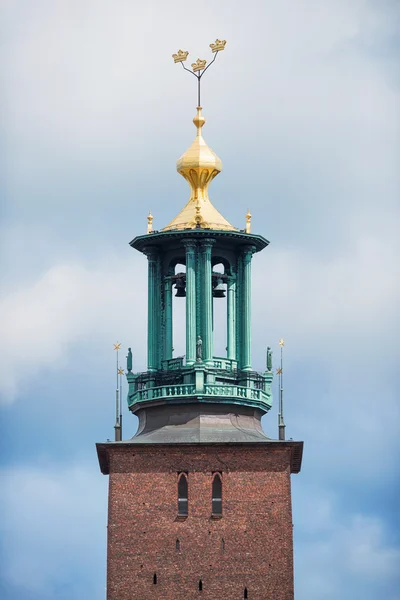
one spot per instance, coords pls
(150, 222)
(180, 56)
(199, 67)
(248, 221)
(218, 46)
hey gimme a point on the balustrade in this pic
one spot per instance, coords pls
(210, 389)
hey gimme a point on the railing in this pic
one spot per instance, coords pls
(177, 391)
(165, 391)
(234, 391)
(172, 364)
(227, 364)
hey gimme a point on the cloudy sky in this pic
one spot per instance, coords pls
(303, 109)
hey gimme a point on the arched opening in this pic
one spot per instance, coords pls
(219, 308)
(178, 545)
(245, 595)
(183, 503)
(223, 545)
(155, 578)
(219, 267)
(179, 309)
(217, 495)
(200, 586)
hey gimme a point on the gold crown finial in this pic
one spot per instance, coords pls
(180, 56)
(150, 222)
(199, 164)
(248, 221)
(199, 65)
(218, 46)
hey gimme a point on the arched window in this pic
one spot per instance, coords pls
(217, 495)
(245, 595)
(200, 586)
(155, 578)
(178, 545)
(182, 495)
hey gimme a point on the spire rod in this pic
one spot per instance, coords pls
(117, 426)
(199, 67)
(120, 373)
(281, 423)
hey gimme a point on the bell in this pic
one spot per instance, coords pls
(219, 290)
(180, 289)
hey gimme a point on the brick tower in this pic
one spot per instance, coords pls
(199, 498)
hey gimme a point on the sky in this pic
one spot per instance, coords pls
(303, 109)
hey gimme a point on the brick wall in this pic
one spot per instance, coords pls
(249, 547)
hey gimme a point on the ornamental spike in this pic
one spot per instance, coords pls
(281, 423)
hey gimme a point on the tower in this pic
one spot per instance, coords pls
(199, 498)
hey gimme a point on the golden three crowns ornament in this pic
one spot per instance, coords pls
(200, 64)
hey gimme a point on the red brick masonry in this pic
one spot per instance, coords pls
(250, 546)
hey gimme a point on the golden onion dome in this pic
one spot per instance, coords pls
(199, 165)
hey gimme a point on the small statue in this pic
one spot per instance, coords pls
(129, 361)
(269, 359)
(199, 349)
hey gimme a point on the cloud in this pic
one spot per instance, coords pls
(332, 303)
(340, 320)
(338, 553)
(68, 304)
(53, 531)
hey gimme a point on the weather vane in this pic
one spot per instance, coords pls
(199, 67)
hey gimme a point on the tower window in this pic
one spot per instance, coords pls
(245, 595)
(200, 586)
(182, 495)
(217, 495)
(178, 545)
(155, 578)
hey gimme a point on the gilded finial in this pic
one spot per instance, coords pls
(281, 342)
(248, 221)
(199, 164)
(149, 222)
(180, 56)
(120, 371)
(218, 46)
(117, 346)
